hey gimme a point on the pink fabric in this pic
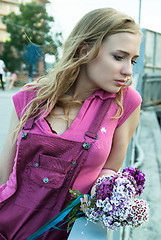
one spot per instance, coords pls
(100, 149)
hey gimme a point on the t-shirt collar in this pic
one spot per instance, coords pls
(102, 94)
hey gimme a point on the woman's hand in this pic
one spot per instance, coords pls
(84, 201)
(93, 190)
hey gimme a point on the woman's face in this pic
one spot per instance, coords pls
(114, 62)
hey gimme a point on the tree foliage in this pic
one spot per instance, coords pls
(31, 25)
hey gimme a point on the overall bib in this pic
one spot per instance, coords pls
(47, 167)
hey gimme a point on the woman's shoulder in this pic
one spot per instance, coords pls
(131, 100)
(22, 98)
(24, 95)
(131, 95)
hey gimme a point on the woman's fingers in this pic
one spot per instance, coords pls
(84, 199)
(93, 190)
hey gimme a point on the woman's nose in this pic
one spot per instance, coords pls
(127, 69)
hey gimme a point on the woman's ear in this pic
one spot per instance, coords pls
(83, 49)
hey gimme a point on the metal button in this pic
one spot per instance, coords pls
(73, 163)
(86, 146)
(46, 180)
(36, 165)
(24, 135)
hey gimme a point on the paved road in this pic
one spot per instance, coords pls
(6, 106)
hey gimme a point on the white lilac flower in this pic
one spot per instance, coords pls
(107, 207)
(99, 203)
(114, 204)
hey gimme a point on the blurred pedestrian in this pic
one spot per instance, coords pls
(2, 70)
(13, 79)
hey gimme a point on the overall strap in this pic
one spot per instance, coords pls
(94, 127)
(29, 124)
(100, 116)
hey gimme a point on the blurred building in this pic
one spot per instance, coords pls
(8, 6)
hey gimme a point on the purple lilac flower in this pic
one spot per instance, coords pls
(138, 176)
(113, 203)
(104, 187)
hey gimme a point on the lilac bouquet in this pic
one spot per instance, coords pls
(114, 203)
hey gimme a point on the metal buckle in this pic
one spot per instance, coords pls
(87, 145)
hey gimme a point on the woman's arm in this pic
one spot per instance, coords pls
(121, 139)
(9, 151)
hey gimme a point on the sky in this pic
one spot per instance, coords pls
(68, 12)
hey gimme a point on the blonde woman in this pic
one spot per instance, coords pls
(72, 126)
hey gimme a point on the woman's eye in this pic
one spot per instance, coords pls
(133, 62)
(118, 58)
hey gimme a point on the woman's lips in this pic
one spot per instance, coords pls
(120, 82)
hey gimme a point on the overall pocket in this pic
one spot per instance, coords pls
(48, 171)
(42, 181)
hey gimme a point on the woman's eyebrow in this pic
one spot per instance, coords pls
(126, 53)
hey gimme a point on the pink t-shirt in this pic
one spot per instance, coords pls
(99, 151)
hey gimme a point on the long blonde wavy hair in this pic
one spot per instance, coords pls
(92, 29)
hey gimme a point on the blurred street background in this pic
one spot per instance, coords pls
(31, 45)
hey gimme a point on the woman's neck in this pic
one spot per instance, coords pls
(81, 89)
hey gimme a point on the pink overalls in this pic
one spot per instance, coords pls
(47, 167)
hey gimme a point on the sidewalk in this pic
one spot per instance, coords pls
(6, 106)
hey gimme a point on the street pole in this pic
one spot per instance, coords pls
(139, 11)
